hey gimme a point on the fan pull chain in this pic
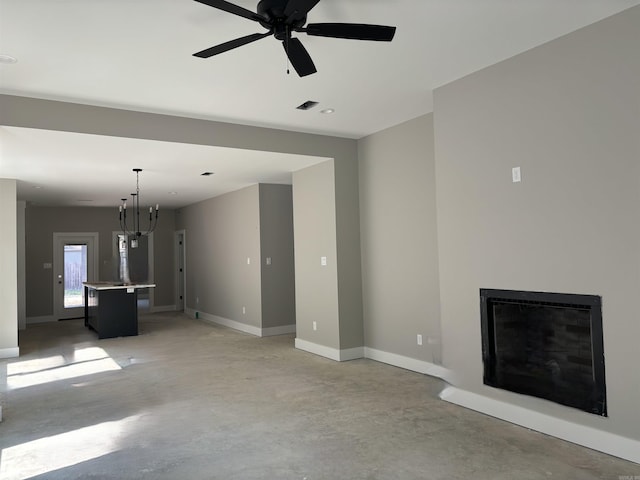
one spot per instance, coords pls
(287, 46)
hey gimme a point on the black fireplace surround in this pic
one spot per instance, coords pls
(548, 345)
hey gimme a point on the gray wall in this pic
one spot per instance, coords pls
(276, 242)
(221, 233)
(314, 211)
(347, 212)
(42, 222)
(401, 294)
(568, 114)
(9, 269)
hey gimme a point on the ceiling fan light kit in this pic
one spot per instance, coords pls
(283, 17)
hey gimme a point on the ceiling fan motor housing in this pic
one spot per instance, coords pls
(273, 12)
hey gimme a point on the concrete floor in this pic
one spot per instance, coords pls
(187, 400)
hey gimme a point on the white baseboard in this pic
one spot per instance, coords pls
(282, 330)
(242, 327)
(225, 322)
(407, 363)
(163, 308)
(10, 352)
(589, 437)
(328, 352)
(43, 319)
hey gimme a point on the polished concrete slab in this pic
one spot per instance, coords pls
(188, 400)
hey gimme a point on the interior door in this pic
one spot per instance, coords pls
(74, 261)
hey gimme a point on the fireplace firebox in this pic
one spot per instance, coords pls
(547, 345)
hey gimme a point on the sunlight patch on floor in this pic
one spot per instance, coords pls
(35, 365)
(86, 361)
(64, 450)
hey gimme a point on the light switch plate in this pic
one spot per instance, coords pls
(515, 175)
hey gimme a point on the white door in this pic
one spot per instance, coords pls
(75, 260)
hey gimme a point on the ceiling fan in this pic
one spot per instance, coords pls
(281, 18)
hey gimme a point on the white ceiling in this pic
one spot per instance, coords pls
(137, 54)
(73, 169)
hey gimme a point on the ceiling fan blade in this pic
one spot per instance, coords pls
(297, 9)
(230, 45)
(353, 31)
(231, 8)
(299, 57)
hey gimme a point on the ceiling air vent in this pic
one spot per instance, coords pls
(308, 105)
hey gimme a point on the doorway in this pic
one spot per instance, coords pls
(75, 260)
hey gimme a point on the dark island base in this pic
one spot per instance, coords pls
(112, 312)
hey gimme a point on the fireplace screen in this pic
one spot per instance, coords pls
(548, 345)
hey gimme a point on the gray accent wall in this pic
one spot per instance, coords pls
(276, 243)
(568, 114)
(228, 239)
(42, 222)
(221, 234)
(347, 212)
(401, 295)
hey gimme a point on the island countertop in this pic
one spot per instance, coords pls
(116, 286)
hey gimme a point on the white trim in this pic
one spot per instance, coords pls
(242, 327)
(163, 308)
(589, 437)
(328, 352)
(407, 363)
(331, 353)
(92, 240)
(0, 413)
(282, 330)
(10, 352)
(43, 319)
(225, 322)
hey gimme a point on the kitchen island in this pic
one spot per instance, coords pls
(111, 309)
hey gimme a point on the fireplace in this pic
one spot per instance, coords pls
(547, 345)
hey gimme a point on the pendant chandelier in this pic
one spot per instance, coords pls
(135, 229)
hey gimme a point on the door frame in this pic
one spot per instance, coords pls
(177, 235)
(93, 248)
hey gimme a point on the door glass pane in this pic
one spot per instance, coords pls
(75, 272)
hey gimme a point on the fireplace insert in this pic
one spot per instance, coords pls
(547, 345)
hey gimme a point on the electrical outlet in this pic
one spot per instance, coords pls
(419, 339)
(323, 261)
(248, 260)
(315, 326)
(197, 299)
(268, 260)
(244, 310)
